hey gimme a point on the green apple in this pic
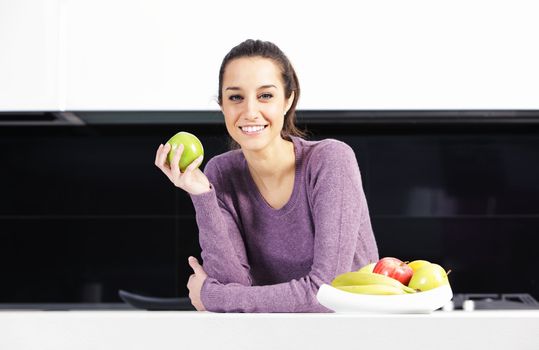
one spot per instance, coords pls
(192, 148)
(367, 268)
(417, 264)
(428, 277)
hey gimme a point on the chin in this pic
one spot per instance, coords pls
(252, 145)
(255, 144)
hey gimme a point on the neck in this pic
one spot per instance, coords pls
(272, 162)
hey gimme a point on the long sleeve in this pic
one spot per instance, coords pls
(223, 249)
(339, 212)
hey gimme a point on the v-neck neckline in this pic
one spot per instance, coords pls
(255, 192)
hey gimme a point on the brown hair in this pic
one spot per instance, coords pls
(266, 49)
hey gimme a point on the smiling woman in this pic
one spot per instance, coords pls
(281, 215)
(254, 117)
(252, 63)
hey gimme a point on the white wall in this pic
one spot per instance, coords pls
(165, 54)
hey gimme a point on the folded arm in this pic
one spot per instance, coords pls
(223, 250)
(339, 210)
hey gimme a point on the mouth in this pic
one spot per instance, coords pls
(253, 129)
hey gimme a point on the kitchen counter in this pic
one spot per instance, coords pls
(136, 329)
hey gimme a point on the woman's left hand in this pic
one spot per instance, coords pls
(195, 283)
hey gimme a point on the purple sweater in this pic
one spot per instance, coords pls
(259, 259)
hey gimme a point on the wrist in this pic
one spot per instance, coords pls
(201, 190)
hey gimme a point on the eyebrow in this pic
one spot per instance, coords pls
(260, 87)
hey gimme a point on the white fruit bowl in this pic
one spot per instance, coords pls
(416, 303)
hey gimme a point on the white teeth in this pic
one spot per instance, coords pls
(252, 128)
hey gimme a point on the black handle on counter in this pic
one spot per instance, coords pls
(154, 303)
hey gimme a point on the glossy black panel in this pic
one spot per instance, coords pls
(88, 260)
(446, 175)
(485, 255)
(84, 211)
(93, 171)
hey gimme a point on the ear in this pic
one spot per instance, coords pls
(290, 101)
(222, 110)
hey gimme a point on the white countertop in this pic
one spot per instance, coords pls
(126, 329)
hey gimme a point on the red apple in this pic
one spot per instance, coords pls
(394, 268)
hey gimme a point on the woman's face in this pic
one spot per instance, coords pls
(253, 102)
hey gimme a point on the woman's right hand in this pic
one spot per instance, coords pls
(192, 180)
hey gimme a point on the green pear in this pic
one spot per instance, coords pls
(417, 264)
(428, 277)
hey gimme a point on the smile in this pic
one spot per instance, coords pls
(252, 130)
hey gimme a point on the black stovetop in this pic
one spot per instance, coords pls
(495, 301)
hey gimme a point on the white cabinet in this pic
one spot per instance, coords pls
(29, 47)
(165, 55)
(139, 55)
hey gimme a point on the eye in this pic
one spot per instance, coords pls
(266, 96)
(234, 98)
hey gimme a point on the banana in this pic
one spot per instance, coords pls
(376, 289)
(368, 278)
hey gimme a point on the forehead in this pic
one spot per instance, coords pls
(247, 72)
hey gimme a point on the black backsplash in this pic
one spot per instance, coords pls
(84, 211)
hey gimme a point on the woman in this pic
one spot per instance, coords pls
(281, 215)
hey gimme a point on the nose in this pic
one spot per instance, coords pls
(251, 109)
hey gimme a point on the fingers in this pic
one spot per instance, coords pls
(157, 153)
(160, 159)
(197, 268)
(194, 164)
(190, 282)
(164, 154)
(172, 169)
(161, 155)
(175, 166)
(193, 262)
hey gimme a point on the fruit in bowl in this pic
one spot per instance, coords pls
(366, 291)
(367, 268)
(417, 264)
(384, 300)
(391, 276)
(394, 268)
(428, 277)
(192, 149)
(369, 283)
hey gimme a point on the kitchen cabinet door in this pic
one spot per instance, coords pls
(29, 51)
(144, 55)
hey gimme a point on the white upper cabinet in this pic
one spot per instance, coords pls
(165, 55)
(29, 45)
(141, 55)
